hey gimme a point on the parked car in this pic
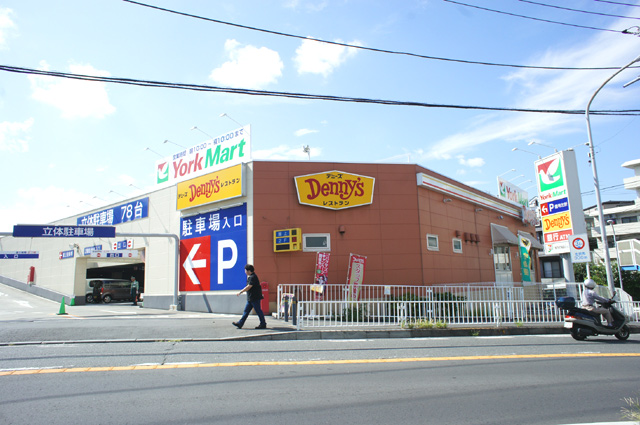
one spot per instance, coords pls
(112, 289)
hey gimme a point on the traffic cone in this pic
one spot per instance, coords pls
(62, 311)
(73, 301)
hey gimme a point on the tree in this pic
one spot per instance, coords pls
(630, 279)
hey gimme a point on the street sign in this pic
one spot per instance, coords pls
(66, 254)
(116, 254)
(579, 249)
(49, 231)
(11, 255)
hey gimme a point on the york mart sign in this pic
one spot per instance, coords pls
(215, 154)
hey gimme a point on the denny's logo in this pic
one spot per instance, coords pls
(335, 190)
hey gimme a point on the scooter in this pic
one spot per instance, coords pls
(583, 323)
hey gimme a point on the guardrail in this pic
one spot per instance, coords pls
(431, 306)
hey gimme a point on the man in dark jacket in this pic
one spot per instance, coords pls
(254, 297)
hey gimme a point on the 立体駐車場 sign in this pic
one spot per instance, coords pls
(334, 190)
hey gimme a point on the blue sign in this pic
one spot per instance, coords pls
(39, 231)
(130, 211)
(213, 250)
(66, 254)
(88, 250)
(121, 245)
(554, 207)
(12, 255)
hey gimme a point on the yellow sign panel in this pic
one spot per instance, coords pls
(213, 187)
(553, 223)
(335, 190)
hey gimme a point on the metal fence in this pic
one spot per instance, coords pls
(440, 305)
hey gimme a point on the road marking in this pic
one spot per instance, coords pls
(307, 363)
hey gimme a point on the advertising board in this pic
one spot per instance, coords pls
(223, 151)
(560, 200)
(335, 190)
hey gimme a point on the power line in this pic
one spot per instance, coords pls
(293, 95)
(577, 10)
(530, 17)
(371, 49)
(618, 3)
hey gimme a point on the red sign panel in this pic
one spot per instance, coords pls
(195, 270)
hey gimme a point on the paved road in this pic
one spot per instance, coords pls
(528, 379)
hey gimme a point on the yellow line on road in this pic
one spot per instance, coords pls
(311, 362)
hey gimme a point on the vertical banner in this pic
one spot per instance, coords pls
(320, 277)
(355, 275)
(525, 258)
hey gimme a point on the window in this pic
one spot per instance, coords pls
(432, 243)
(316, 242)
(552, 269)
(501, 258)
(632, 219)
(457, 245)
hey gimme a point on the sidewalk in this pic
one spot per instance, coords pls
(108, 323)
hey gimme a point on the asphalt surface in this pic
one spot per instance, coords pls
(28, 319)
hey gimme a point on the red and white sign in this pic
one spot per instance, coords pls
(355, 276)
(580, 249)
(195, 264)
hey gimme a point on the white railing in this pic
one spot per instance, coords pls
(407, 306)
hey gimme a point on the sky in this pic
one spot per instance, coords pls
(69, 146)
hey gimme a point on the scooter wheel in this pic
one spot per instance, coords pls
(576, 334)
(623, 334)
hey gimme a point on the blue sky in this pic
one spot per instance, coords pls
(68, 146)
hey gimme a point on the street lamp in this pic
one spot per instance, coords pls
(206, 134)
(224, 114)
(592, 155)
(615, 242)
(533, 142)
(151, 150)
(507, 172)
(522, 150)
(173, 143)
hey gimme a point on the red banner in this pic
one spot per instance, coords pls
(322, 271)
(355, 276)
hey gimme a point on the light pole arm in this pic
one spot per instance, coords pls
(603, 230)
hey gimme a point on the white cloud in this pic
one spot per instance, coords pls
(310, 6)
(543, 89)
(75, 99)
(304, 132)
(7, 26)
(14, 136)
(471, 162)
(285, 153)
(314, 57)
(248, 66)
(40, 205)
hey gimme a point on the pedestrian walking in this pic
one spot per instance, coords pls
(254, 298)
(135, 290)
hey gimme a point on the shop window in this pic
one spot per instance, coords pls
(502, 258)
(432, 243)
(457, 245)
(552, 269)
(316, 242)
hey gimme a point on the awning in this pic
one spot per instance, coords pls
(535, 243)
(500, 234)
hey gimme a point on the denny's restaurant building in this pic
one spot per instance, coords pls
(414, 226)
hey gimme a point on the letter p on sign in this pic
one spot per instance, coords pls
(226, 244)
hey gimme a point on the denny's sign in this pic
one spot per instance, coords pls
(335, 190)
(216, 186)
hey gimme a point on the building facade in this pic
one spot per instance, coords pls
(188, 242)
